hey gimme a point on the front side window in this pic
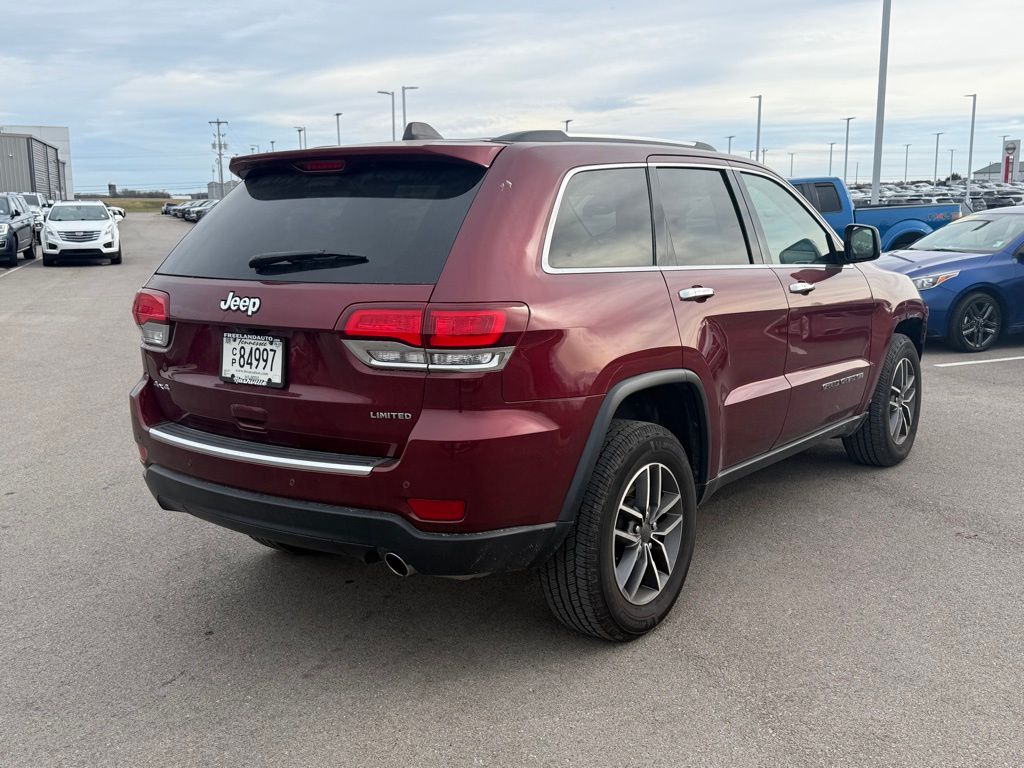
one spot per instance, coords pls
(604, 220)
(702, 219)
(794, 236)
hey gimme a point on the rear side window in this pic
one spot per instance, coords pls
(828, 198)
(702, 218)
(393, 221)
(604, 220)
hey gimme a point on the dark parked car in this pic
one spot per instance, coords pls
(536, 351)
(17, 229)
(971, 275)
(195, 212)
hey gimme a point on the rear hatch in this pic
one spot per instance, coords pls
(257, 290)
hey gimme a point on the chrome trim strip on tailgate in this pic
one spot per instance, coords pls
(267, 455)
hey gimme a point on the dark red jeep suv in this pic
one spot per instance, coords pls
(535, 351)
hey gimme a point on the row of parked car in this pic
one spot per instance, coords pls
(985, 195)
(75, 229)
(193, 210)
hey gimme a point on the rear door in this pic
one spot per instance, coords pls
(368, 230)
(730, 309)
(830, 308)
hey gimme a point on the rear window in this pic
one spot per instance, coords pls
(604, 220)
(395, 220)
(828, 198)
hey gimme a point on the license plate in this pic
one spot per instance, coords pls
(252, 359)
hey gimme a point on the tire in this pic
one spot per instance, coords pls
(12, 259)
(49, 261)
(30, 252)
(280, 546)
(884, 439)
(116, 259)
(977, 322)
(580, 580)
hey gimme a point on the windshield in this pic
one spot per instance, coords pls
(393, 221)
(974, 234)
(78, 213)
(5, 209)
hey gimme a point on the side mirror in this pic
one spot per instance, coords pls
(861, 242)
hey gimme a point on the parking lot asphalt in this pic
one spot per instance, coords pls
(833, 615)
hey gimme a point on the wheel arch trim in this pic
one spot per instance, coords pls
(612, 400)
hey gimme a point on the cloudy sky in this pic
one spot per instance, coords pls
(138, 81)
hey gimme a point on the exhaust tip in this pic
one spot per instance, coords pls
(397, 565)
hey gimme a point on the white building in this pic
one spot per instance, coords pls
(994, 172)
(54, 135)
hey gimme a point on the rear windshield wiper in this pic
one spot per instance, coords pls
(306, 259)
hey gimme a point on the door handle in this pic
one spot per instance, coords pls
(803, 288)
(697, 293)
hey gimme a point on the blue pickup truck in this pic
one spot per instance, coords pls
(899, 225)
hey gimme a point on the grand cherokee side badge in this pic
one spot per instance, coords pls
(248, 304)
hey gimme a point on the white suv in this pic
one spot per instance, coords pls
(80, 230)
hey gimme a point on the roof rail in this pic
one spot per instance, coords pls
(556, 135)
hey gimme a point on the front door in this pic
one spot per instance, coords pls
(830, 309)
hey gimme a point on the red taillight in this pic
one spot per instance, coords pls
(464, 327)
(438, 510)
(150, 306)
(399, 324)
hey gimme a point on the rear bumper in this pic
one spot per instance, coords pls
(349, 530)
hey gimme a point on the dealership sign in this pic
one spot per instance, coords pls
(1011, 159)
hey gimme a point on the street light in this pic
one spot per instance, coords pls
(970, 146)
(730, 138)
(392, 95)
(883, 66)
(299, 129)
(404, 89)
(906, 161)
(937, 155)
(567, 124)
(757, 141)
(272, 142)
(337, 124)
(951, 165)
(846, 153)
(764, 154)
(830, 145)
(791, 156)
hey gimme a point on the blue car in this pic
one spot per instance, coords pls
(971, 275)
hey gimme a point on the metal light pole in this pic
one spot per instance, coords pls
(791, 156)
(404, 89)
(846, 153)
(970, 146)
(337, 124)
(856, 174)
(830, 145)
(392, 95)
(272, 143)
(730, 138)
(937, 155)
(906, 161)
(220, 155)
(951, 165)
(567, 124)
(254, 148)
(750, 154)
(757, 141)
(883, 66)
(764, 155)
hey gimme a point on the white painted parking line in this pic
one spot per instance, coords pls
(12, 271)
(980, 362)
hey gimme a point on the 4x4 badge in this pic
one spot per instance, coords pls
(248, 304)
